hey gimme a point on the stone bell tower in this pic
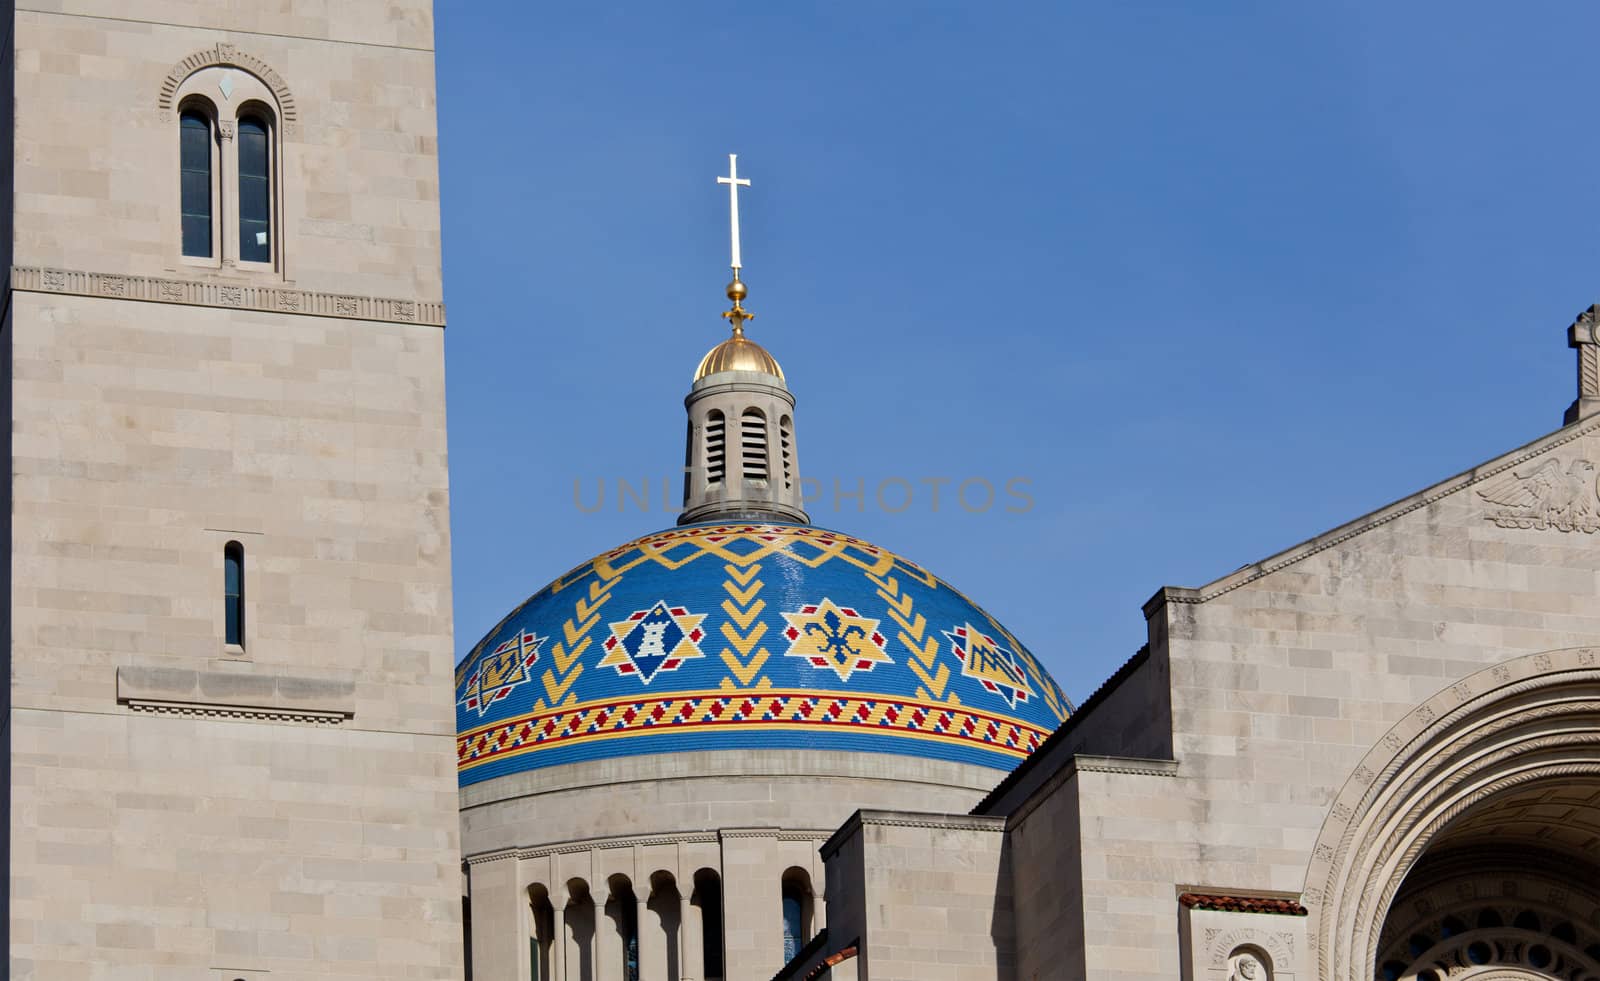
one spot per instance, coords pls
(228, 636)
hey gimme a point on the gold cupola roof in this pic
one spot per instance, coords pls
(738, 353)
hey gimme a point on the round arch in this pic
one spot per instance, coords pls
(226, 55)
(1530, 721)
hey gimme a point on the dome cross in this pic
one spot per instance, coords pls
(734, 182)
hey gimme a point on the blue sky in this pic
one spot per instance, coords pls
(1212, 278)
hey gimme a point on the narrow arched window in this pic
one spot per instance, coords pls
(233, 593)
(716, 448)
(753, 446)
(255, 191)
(195, 168)
(796, 911)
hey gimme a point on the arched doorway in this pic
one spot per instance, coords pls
(1484, 798)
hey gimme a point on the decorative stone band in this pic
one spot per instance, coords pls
(245, 693)
(622, 843)
(195, 711)
(235, 296)
(1241, 904)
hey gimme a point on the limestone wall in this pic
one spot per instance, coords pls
(1046, 870)
(157, 836)
(934, 898)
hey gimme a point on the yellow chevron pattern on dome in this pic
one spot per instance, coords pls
(749, 635)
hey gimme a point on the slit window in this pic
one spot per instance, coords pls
(195, 165)
(233, 593)
(255, 191)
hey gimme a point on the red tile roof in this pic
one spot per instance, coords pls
(832, 959)
(1242, 904)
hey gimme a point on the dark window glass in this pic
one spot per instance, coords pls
(255, 192)
(630, 940)
(710, 891)
(194, 161)
(791, 927)
(233, 593)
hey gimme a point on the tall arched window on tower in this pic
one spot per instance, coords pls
(196, 164)
(233, 594)
(255, 190)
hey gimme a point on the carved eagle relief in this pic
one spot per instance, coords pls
(1546, 496)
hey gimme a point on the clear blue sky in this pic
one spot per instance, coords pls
(1213, 277)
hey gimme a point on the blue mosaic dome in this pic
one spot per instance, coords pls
(748, 636)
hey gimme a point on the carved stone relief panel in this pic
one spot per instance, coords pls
(1237, 946)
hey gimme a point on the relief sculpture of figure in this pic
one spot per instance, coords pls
(1246, 966)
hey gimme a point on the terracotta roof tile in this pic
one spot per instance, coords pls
(1242, 904)
(833, 959)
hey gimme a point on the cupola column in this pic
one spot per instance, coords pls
(690, 939)
(558, 946)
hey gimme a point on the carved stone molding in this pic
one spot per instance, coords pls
(596, 844)
(1084, 763)
(197, 710)
(245, 692)
(223, 54)
(232, 296)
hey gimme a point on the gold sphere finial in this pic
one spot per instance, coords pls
(738, 315)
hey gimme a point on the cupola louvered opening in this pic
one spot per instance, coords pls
(786, 447)
(716, 449)
(753, 445)
(688, 462)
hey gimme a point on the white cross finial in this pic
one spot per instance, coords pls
(734, 182)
